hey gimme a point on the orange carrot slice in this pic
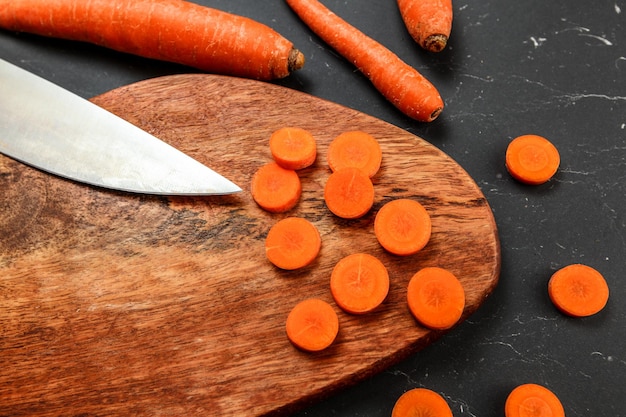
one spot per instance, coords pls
(532, 400)
(349, 193)
(532, 159)
(292, 243)
(578, 290)
(421, 402)
(275, 188)
(436, 298)
(293, 148)
(402, 227)
(359, 283)
(355, 149)
(312, 325)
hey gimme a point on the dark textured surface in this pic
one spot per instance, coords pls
(551, 68)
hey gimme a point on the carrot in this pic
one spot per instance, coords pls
(359, 283)
(355, 149)
(398, 82)
(402, 227)
(293, 148)
(292, 243)
(169, 30)
(429, 22)
(312, 325)
(578, 290)
(532, 400)
(436, 298)
(421, 402)
(349, 193)
(532, 159)
(276, 189)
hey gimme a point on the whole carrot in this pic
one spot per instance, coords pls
(401, 84)
(170, 30)
(429, 22)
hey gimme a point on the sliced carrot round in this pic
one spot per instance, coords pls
(359, 283)
(532, 400)
(275, 188)
(312, 325)
(532, 159)
(292, 243)
(421, 402)
(436, 298)
(578, 290)
(355, 149)
(293, 148)
(402, 226)
(349, 193)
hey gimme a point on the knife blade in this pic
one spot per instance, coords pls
(59, 132)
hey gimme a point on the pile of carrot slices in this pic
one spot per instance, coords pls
(359, 282)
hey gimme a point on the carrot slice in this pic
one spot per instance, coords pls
(355, 149)
(436, 298)
(359, 283)
(292, 243)
(532, 400)
(275, 188)
(421, 402)
(578, 290)
(293, 148)
(402, 227)
(349, 193)
(312, 325)
(532, 159)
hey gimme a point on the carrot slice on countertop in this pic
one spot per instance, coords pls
(436, 298)
(421, 402)
(578, 290)
(532, 159)
(532, 400)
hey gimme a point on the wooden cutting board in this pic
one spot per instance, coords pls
(118, 304)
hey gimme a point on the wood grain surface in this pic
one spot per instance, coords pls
(114, 304)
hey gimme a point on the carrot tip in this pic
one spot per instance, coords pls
(435, 114)
(435, 43)
(296, 60)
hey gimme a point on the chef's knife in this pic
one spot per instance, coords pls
(54, 130)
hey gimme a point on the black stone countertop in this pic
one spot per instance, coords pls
(554, 68)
